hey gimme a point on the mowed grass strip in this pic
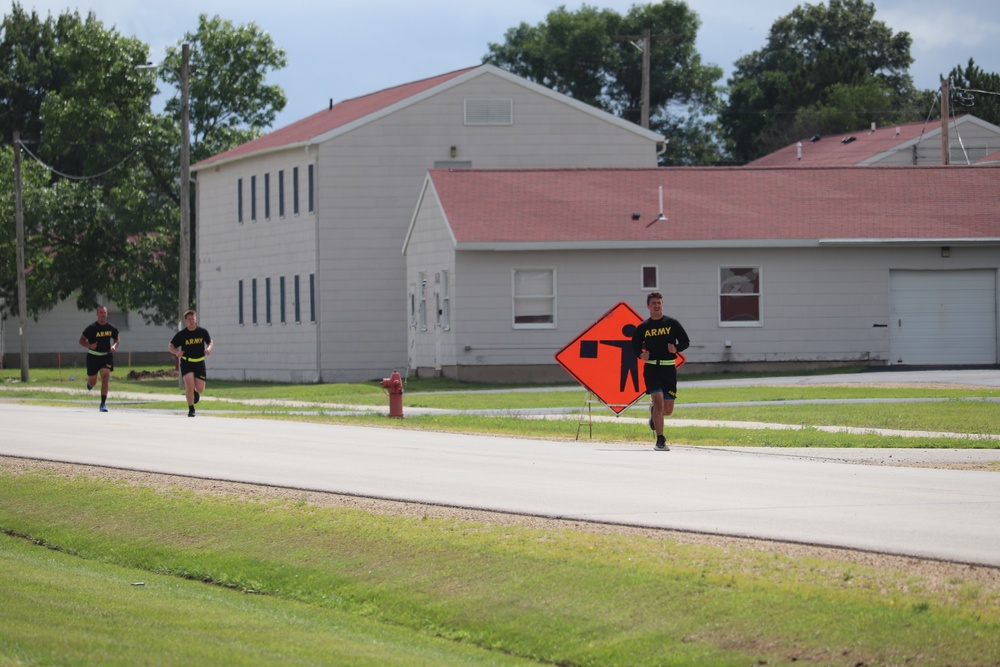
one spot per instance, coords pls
(59, 609)
(963, 410)
(567, 597)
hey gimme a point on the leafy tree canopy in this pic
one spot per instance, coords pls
(975, 91)
(585, 54)
(828, 68)
(231, 103)
(101, 215)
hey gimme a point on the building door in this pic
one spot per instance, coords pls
(942, 318)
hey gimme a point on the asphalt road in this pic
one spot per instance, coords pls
(795, 496)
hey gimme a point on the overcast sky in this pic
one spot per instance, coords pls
(344, 48)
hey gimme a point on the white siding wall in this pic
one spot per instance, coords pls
(229, 251)
(371, 178)
(967, 143)
(431, 253)
(819, 305)
(55, 336)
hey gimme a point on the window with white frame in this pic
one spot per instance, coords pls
(534, 298)
(739, 296)
(650, 277)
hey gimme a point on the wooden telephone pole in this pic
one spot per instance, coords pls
(22, 294)
(647, 38)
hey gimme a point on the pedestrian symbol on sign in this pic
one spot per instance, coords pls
(601, 358)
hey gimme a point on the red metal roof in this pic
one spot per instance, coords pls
(847, 149)
(336, 116)
(712, 204)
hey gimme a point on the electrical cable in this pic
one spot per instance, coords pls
(70, 176)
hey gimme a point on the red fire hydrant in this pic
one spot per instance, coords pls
(394, 385)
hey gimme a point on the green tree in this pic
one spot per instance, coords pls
(823, 67)
(104, 224)
(231, 103)
(976, 92)
(584, 54)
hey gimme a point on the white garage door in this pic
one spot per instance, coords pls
(943, 317)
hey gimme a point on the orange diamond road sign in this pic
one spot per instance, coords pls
(601, 358)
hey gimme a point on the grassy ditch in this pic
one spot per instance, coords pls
(291, 580)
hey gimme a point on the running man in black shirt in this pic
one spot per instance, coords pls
(191, 345)
(101, 339)
(657, 342)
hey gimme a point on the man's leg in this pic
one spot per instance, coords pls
(658, 406)
(189, 388)
(199, 389)
(105, 379)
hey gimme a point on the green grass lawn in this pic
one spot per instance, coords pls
(226, 580)
(234, 581)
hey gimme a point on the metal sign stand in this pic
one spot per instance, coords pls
(587, 412)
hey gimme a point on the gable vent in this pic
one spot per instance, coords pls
(489, 112)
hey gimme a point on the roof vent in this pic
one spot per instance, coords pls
(814, 138)
(489, 112)
(847, 140)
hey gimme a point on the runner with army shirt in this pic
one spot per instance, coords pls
(191, 345)
(101, 339)
(658, 342)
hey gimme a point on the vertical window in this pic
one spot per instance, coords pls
(445, 302)
(267, 300)
(739, 296)
(267, 196)
(413, 306)
(295, 190)
(281, 298)
(281, 193)
(298, 304)
(239, 200)
(650, 277)
(253, 299)
(534, 297)
(239, 298)
(423, 301)
(253, 198)
(312, 297)
(311, 202)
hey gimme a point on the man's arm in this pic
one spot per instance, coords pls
(683, 341)
(637, 343)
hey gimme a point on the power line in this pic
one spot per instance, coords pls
(70, 176)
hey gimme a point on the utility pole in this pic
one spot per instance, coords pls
(22, 293)
(646, 38)
(945, 141)
(184, 296)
